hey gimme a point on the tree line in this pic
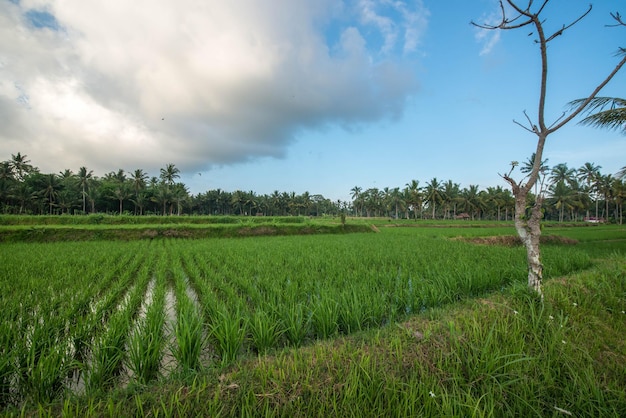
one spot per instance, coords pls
(571, 194)
(24, 189)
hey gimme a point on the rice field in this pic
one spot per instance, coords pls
(89, 317)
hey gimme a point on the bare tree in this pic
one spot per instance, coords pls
(528, 225)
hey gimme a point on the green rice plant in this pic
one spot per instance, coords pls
(189, 338)
(296, 323)
(188, 327)
(108, 354)
(325, 317)
(265, 329)
(44, 378)
(227, 332)
(145, 350)
(353, 313)
(41, 361)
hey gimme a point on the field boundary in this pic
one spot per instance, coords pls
(57, 233)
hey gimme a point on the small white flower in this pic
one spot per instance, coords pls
(624, 312)
(575, 304)
(432, 394)
(551, 317)
(563, 341)
(515, 312)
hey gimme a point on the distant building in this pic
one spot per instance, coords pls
(594, 220)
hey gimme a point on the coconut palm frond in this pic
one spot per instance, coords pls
(608, 119)
(604, 112)
(599, 103)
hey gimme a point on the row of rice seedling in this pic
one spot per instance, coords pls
(188, 328)
(306, 291)
(147, 340)
(230, 296)
(294, 310)
(108, 355)
(51, 327)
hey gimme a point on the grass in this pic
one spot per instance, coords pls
(355, 325)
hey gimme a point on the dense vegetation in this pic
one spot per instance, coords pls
(573, 194)
(403, 322)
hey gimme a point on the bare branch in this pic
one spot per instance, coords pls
(532, 128)
(618, 19)
(590, 97)
(525, 127)
(557, 120)
(564, 28)
(505, 24)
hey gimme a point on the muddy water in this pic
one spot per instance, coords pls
(168, 362)
(76, 382)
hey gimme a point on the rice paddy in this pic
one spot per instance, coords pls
(89, 318)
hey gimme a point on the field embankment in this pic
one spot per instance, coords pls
(98, 227)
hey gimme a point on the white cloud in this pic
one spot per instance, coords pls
(140, 84)
(396, 19)
(488, 38)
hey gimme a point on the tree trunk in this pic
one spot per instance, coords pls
(529, 231)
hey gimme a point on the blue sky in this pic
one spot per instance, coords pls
(301, 96)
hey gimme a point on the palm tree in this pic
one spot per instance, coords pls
(589, 174)
(162, 196)
(607, 113)
(20, 166)
(561, 172)
(355, 193)
(372, 200)
(605, 188)
(496, 196)
(121, 193)
(83, 181)
(395, 200)
(527, 168)
(169, 174)
(562, 197)
(433, 194)
(414, 196)
(471, 200)
(23, 193)
(51, 188)
(604, 112)
(179, 194)
(139, 178)
(450, 197)
(140, 200)
(253, 203)
(237, 200)
(619, 188)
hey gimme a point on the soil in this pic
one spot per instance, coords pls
(514, 240)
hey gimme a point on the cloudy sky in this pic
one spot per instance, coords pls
(296, 95)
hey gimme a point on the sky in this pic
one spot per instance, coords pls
(298, 95)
